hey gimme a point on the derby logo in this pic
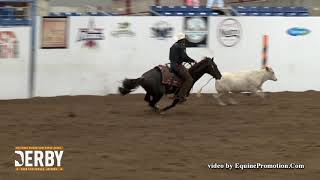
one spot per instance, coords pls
(296, 31)
(39, 158)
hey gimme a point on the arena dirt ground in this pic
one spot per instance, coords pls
(115, 137)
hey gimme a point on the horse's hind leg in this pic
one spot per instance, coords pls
(147, 98)
(154, 101)
(150, 100)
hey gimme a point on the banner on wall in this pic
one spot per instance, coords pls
(161, 30)
(298, 31)
(229, 32)
(90, 35)
(54, 32)
(196, 30)
(9, 45)
(124, 30)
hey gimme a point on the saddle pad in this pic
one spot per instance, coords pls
(169, 78)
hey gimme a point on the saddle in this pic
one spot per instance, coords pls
(169, 78)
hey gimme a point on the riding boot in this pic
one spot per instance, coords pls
(184, 91)
(183, 73)
(186, 85)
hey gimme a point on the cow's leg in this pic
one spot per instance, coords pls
(231, 100)
(260, 94)
(218, 98)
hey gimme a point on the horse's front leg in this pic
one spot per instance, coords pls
(174, 103)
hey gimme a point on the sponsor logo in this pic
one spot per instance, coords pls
(196, 30)
(39, 158)
(90, 35)
(296, 31)
(229, 32)
(123, 30)
(9, 45)
(162, 30)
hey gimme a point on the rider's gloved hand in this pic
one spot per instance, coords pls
(192, 62)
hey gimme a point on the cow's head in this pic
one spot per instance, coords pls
(270, 73)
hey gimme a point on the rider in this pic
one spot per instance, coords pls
(177, 56)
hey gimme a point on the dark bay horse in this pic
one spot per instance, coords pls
(151, 81)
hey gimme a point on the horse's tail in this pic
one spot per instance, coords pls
(129, 85)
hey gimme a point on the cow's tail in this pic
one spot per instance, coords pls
(199, 92)
(129, 85)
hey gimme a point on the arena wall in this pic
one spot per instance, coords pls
(79, 70)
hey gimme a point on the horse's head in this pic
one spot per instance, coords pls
(211, 67)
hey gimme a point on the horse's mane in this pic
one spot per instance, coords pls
(198, 65)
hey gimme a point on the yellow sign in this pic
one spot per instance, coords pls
(39, 158)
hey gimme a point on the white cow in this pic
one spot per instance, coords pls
(243, 81)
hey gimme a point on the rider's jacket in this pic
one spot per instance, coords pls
(178, 54)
